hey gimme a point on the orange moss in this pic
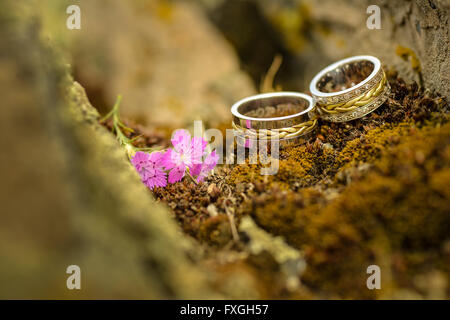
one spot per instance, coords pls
(397, 216)
(215, 231)
(405, 54)
(370, 191)
(299, 166)
(369, 147)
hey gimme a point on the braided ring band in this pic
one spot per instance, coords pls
(350, 88)
(284, 116)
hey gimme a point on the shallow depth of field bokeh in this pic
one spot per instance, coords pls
(373, 191)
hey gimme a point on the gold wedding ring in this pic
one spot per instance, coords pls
(346, 90)
(349, 89)
(284, 116)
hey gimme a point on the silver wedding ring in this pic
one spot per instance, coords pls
(285, 116)
(349, 89)
(346, 90)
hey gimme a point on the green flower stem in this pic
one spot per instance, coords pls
(119, 128)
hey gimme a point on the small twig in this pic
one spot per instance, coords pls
(228, 190)
(230, 215)
(267, 83)
(190, 176)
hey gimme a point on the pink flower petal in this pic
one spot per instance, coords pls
(157, 178)
(211, 160)
(209, 164)
(156, 158)
(198, 146)
(161, 181)
(176, 174)
(169, 159)
(195, 169)
(150, 168)
(140, 160)
(181, 141)
(149, 183)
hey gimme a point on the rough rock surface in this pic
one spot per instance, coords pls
(410, 31)
(414, 36)
(69, 195)
(164, 57)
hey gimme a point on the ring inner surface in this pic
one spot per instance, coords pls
(345, 76)
(273, 107)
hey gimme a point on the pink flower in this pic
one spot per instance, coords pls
(150, 168)
(198, 146)
(206, 167)
(186, 153)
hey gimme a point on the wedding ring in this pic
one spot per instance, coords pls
(285, 116)
(349, 89)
